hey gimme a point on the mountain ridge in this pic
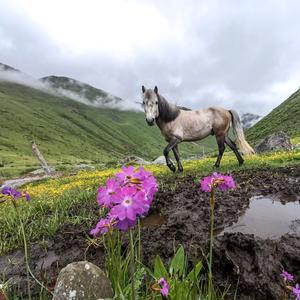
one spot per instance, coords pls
(65, 85)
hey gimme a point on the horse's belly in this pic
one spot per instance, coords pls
(198, 133)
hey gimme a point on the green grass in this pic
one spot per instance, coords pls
(69, 132)
(284, 117)
(53, 200)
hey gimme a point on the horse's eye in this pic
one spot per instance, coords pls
(156, 102)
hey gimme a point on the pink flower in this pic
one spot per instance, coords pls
(125, 175)
(128, 196)
(217, 180)
(287, 276)
(142, 174)
(296, 291)
(164, 287)
(14, 194)
(129, 204)
(26, 195)
(103, 226)
(149, 188)
(104, 196)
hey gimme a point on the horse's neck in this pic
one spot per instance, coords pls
(167, 112)
(159, 123)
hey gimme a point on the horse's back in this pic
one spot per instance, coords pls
(221, 118)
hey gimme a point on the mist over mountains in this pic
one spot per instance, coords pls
(67, 87)
(248, 120)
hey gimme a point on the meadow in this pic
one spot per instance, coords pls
(52, 199)
(70, 199)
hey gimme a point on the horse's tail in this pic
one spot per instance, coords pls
(239, 133)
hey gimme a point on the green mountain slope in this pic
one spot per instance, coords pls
(69, 132)
(284, 117)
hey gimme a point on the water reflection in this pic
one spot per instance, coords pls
(268, 218)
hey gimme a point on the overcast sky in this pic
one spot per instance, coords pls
(237, 54)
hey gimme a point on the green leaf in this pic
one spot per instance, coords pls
(159, 269)
(195, 272)
(178, 262)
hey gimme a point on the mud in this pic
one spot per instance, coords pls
(181, 216)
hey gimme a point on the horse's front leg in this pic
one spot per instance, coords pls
(177, 157)
(174, 141)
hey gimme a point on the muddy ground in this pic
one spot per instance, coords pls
(251, 262)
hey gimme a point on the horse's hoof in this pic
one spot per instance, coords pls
(241, 163)
(172, 167)
(216, 165)
(180, 169)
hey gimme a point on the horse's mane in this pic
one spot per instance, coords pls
(183, 108)
(167, 112)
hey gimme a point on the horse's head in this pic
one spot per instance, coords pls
(150, 104)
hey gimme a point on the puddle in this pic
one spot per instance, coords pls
(153, 220)
(268, 218)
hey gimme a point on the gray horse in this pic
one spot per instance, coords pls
(178, 124)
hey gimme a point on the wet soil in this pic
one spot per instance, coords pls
(181, 216)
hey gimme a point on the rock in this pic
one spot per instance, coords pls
(134, 159)
(15, 183)
(80, 281)
(42, 171)
(161, 160)
(84, 167)
(276, 141)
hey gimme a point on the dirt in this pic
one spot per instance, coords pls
(250, 264)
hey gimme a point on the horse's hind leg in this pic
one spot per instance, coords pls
(170, 146)
(177, 157)
(233, 147)
(221, 146)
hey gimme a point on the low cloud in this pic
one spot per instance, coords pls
(108, 101)
(236, 54)
(21, 78)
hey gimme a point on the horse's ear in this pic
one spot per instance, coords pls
(156, 89)
(143, 89)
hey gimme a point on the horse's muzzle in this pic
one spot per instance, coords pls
(150, 122)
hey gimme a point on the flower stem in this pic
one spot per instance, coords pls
(25, 248)
(212, 206)
(28, 270)
(132, 269)
(139, 242)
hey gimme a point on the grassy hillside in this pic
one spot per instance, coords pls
(284, 117)
(69, 132)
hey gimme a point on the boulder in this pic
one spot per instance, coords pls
(134, 159)
(161, 160)
(276, 141)
(80, 281)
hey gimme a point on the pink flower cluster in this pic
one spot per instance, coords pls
(217, 180)
(164, 287)
(127, 196)
(14, 194)
(161, 286)
(287, 277)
